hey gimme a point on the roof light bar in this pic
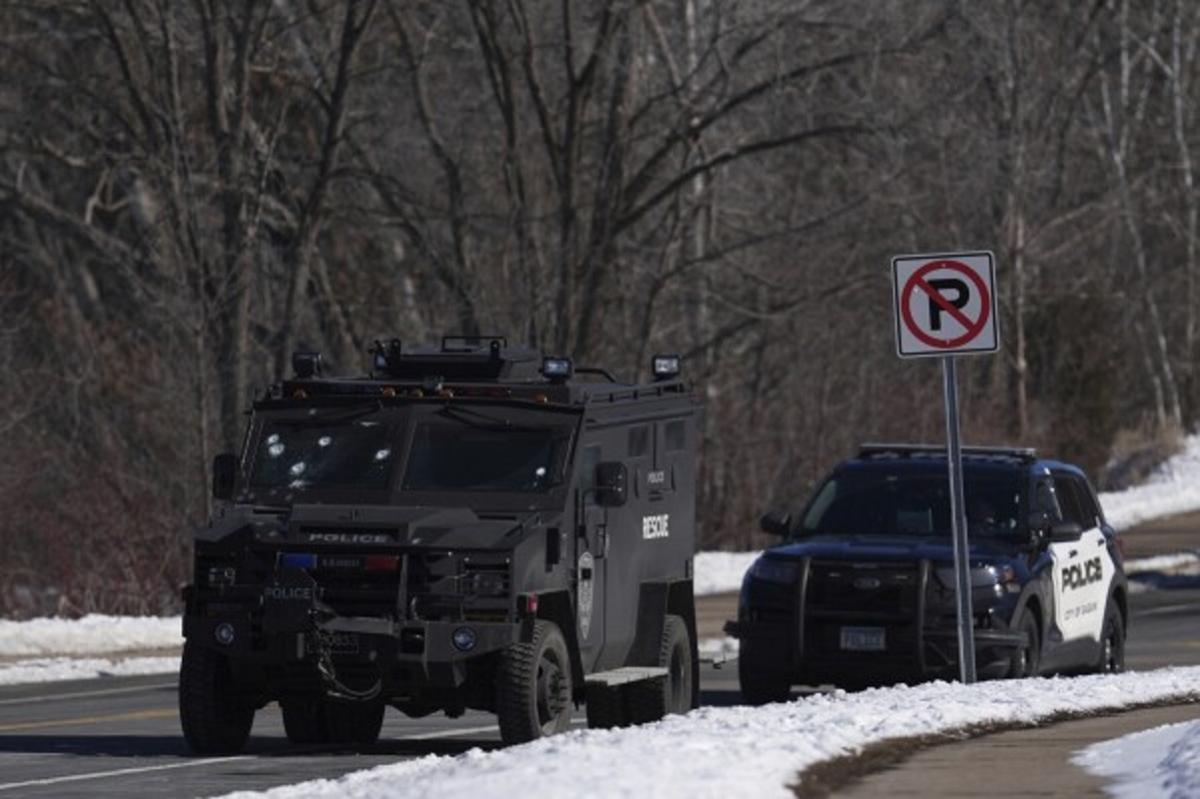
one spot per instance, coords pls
(666, 367)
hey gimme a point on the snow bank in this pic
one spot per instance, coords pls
(1161, 762)
(1179, 563)
(720, 572)
(743, 751)
(91, 635)
(55, 669)
(1172, 489)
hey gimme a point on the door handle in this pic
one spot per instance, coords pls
(1074, 552)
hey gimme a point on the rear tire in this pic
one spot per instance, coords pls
(321, 720)
(1112, 642)
(760, 685)
(215, 721)
(533, 686)
(1027, 659)
(304, 720)
(353, 722)
(650, 700)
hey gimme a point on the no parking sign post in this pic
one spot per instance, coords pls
(945, 306)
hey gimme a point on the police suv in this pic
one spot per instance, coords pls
(469, 526)
(862, 590)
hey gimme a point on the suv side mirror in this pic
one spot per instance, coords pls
(1065, 531)
(776, 522)
(611, 484)
(224, 473)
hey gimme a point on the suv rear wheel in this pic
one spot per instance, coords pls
(214, 719)
(1112, 642)
(533, 686)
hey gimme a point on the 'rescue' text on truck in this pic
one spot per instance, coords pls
(472, 525)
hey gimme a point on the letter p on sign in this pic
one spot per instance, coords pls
(945, 304)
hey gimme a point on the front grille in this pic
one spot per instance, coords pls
(882, 591)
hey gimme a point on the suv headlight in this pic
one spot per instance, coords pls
(774, 571)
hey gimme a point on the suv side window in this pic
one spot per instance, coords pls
(1046, 500)
(1068, 500)
(1087, 503)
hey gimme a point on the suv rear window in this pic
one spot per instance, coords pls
(912, 504)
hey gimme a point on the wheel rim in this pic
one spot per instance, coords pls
(1112, 659)
(550, 691)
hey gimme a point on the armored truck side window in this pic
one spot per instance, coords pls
(674, 436)
(639, 441)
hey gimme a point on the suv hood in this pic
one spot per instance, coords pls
(375, 525)
(881, 547)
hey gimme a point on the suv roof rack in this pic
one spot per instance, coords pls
(875, 450)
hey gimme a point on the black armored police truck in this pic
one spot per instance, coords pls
(862, 590)
(471, 525)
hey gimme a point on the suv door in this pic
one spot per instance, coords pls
(1083, 568)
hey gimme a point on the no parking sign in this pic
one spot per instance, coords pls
(945, 304)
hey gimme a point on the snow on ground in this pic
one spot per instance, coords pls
(90, 635)
(718, 649)
(66, 668)
(719, 572)
(743, 751)
(1179, 563)
(1161, 762)
(1173, 488)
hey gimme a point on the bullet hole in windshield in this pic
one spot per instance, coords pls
(273, 438)
(276, 449)
(298, 468)
(540, 471)
(297, 484)
(324, 441)
(383, 454)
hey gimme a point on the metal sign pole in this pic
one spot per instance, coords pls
(958, 522)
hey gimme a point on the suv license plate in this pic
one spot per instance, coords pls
(863, 639)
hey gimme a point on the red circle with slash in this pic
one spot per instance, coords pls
(973, 328)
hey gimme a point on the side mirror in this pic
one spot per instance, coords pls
(776, 522)
(224, 473)
(1065, 531)
(612, 481)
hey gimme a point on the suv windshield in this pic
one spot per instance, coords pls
(912, 504)
(462, 456)
(311, 454)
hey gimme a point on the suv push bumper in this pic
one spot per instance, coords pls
(795, 629)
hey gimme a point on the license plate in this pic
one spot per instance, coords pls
(339, 644)
(863, 639)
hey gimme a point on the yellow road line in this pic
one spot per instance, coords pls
(136, 715)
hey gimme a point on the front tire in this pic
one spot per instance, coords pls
(650, 700)
(1112, 643)
(215, 720)
(1027, 659)
(533, 686)
(760, 685)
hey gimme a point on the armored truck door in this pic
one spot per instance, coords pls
(590, 542)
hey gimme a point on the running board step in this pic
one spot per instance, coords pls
(626, 674)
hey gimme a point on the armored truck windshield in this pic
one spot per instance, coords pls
(444, 448)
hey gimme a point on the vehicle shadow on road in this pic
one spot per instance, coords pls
(142, 746)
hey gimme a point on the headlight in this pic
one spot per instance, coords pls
(774, 571)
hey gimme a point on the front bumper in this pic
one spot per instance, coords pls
(795, 630)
